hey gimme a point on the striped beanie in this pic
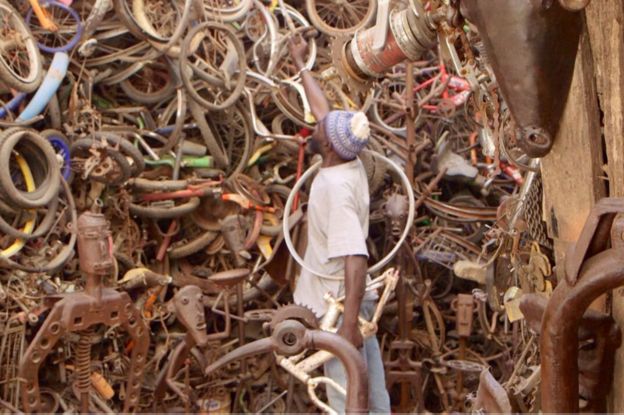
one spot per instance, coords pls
(348, 132)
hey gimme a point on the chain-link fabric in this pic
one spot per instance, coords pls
(533, 214)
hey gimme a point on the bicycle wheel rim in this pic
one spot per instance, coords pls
(73, 40)
(24, 83)
(186, 67)
(318, 20)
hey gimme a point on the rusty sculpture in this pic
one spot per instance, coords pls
(599, 269)
(401, 365)
(188, 305)
(520, 38)
(79, 312)
(601, 337)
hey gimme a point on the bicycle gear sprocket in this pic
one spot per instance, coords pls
(294, 312)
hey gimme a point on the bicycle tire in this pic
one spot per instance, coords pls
(73, 41)
(300, 22)
(64, 254)
(164, 213)
(35, 74)
(376, 117)
(51, 82)
(5, 209)
(49, 185)
(291, 112)
(193, 246)
(322, 26)
(127, 55)
(28, 222)
(54, 114)
(142, 184)
(144, 97)
(44, 226)
(127, 18)
(138, 23)
(138, 10)
(187, 80)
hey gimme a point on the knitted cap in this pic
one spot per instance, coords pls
(347, 131)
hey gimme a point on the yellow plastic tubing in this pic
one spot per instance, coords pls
(30, 223)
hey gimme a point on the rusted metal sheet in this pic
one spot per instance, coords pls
(531, 45)
(559, 343)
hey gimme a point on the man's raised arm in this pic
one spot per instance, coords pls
(318, 103)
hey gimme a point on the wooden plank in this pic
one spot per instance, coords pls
(604, 24)
(606, 34)
(571, 172)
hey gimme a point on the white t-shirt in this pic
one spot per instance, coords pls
(338, 213)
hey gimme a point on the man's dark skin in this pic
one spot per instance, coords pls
(355, 265)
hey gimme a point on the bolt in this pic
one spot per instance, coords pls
(289, 339)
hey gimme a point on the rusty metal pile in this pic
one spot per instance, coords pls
(148, 150)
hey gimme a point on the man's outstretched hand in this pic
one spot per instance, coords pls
(298, 48)
(351, 332)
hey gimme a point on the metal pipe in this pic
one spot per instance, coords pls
(250, 349)
(559, 344)
(290, 337)
(357, 375)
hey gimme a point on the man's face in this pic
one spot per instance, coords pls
(319, 139)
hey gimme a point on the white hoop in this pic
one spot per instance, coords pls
(379, 265)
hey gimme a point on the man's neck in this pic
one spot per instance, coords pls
(332, 159)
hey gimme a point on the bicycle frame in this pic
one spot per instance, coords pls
(42, 15)
(301, 367)
(259, 128)
(277, 40)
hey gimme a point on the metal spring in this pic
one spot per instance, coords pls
(83, 361)
(11, 347)
(482, 52)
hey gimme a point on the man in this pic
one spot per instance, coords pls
(338, 213)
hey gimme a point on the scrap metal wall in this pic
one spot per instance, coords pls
(587, 161)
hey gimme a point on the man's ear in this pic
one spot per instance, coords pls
(326, 145)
